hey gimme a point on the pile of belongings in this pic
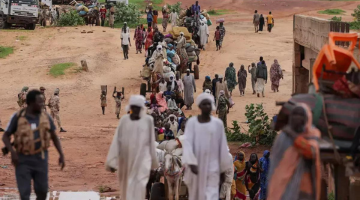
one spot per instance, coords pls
(84, 10)
(190, 21)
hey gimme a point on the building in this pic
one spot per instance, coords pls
(310, 34)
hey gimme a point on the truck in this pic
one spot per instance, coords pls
(20, 13)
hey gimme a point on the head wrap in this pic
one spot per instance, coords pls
(207, 91)
(205, 96)
(188, 70)
(207, 78)
(253, 64)
(57, 90)
(136, 100)
(201, 16)
(159, 47)
(181, 33)
(170, 45)
(276, 62)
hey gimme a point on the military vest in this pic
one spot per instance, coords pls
(24, 136)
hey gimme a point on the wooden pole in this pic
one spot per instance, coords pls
(342, 183)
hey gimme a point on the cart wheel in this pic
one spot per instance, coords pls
(196, 72)
(143, 89)
(157, 192)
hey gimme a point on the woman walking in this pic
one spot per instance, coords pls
(242, 75)
(240, 171)
(261, 78)
(252, 177)
(230, 77)
(138, 37)
(264, 165)
(275, 76)
(149, 40)
(261, 23)
(165, 18)
(103, 101)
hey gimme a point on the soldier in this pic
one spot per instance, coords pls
(119, 96)
(22, 97)
(54, 104)
(33, 130)
(103, 101)
(42, 90)
(223, 107)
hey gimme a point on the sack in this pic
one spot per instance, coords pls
(191, 53)
(342, 113)
(176, 32)
(146, 72)
(168, 40)
(209, 23)
(190, 49)
(193, 58)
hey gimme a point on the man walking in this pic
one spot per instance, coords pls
(205, 152)
(214, 81)
(33, 129)
(133, 163)
(125, 41)
(256, 21)
(54, 104)
(173, 18)
(261, 78)
(270, 21)
(189, 89)
(252, 71)
(223, 108)
(103, 14)
(112, 16)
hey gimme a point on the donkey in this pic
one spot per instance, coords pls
(173, 175)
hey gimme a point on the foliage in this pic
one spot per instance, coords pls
(71, 18)
(217, 12)
(331, 196)
(127, 13)
(356, 13)
(176, 7)
(5, 51)
(259, 127)
(355, 25)
(58, 69)
(234, 134)
(332, 12)
(336, 19)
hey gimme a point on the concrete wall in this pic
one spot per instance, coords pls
(311, 32)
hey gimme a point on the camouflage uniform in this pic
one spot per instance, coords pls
(54, 104)
(222, 107)
(22, 97)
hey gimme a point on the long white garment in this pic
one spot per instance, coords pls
(173, 18)
(203, 33)
(158, 57)
(133, 154)
(205, 146)
(225, 191)
(189, 87)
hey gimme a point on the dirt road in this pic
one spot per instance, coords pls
(89, 132)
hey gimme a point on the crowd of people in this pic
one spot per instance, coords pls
(259, 22)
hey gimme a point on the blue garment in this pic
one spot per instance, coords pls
(265, 165)
(180, 121)
(149, 17)
(168, 135)
(195, 9)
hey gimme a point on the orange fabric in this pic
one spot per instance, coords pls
(285, 170)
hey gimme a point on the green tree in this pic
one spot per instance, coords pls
(356, 13)
(71, 18)
(127, 13)
(176, 7)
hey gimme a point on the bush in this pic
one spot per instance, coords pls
(356, 13)
(5, 51)
(332, 12)
(336, 19)
(127, 13)
(354, 25)
(176, 7)
(259, 127)
(71, 18)
(234, 134)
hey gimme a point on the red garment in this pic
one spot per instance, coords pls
(149, 40)
(217, 35)
(103, 12)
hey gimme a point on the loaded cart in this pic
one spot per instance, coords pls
(334, 99)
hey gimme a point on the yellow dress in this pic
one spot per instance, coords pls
(240, 171)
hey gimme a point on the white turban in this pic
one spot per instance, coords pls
(159, 47)
(206, 96)
(207, 91)
(181, 33)
(136, 100)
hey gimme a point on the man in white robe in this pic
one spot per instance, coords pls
(173, 18)
(205, 152)
(204, 34)
(189, 89)
(225, 191)
(133, 151)
(158, 56)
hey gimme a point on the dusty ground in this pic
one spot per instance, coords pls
(89, 133)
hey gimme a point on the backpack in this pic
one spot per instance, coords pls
(24, 137)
